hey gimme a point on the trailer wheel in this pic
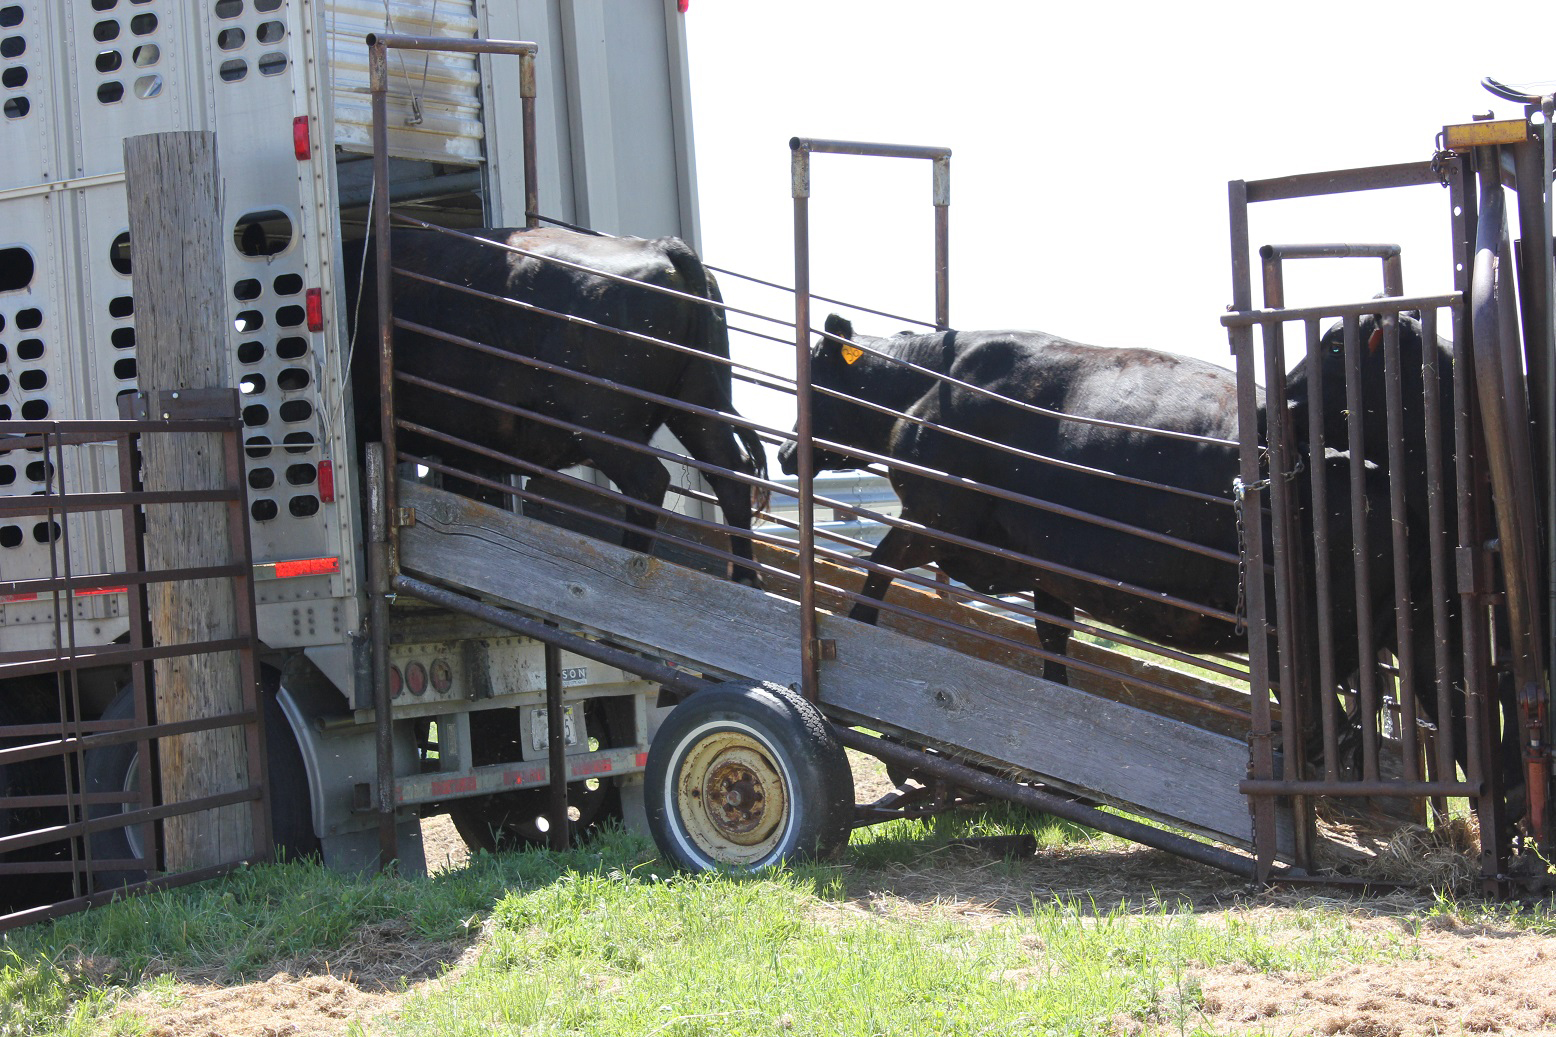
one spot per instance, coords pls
(291, 808)
(745, 777)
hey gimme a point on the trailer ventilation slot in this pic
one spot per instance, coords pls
(16, 270)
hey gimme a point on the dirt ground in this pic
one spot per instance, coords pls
(1453, 976)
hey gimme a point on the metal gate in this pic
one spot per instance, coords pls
(82, 804)
(1407, 644)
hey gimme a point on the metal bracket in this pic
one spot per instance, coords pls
(404, 517)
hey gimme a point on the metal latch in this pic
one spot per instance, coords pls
(404, 517)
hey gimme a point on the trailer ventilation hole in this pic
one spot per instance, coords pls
(291, 316)
(257, 446)
(29, 318)
(16, 46)
(250, 384)
(119, 253)
(109, 61)
(296, 410)
(230, 39)
(270, 32)
(146, 55)
(121, 306)
(10, 536)
(302, 507)
(301, 474)
(272, 64)
(29, 349)
(122, 338)
(5, 414)
(13, 77)
(110, 93)
(40, 471)
(16, 269)
(266, 6)
(233, 70)
(262, 233)
(256, 414)
(124, 369)
(46, 532)
(251, 352)
(229, 8)
(147, 87)
(10, 16)
(16, 107)
(104, 5)
(35, 410)
(288, 284)
(248, 321)
(247, 289)
(292, 379)
(291, 347)
(102, 32)
(7, 475)
(32, 381)
(298, 442)
(5, 385)
(264, 510)
(143, 24)
(261, 479)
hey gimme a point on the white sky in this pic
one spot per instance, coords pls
(1092, 148)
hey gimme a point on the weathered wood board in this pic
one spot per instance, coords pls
(1158, 766)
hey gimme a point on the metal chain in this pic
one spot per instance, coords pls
(1240, 490)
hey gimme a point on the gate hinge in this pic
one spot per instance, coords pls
(404, 517)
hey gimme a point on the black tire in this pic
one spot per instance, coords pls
(518, 819)
(744, 777)
(291, 808)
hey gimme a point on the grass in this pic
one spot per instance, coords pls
(606, 940)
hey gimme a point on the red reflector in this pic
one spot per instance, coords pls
(327, 482)
(315, 302)
(307, 567)
(301, 146)
(101, 590)
(394, 682)
(6, 599)
(442, 676)
(416, 678)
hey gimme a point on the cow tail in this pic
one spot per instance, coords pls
(712, 336)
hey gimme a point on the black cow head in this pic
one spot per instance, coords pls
(839, 365)
(1413, 356)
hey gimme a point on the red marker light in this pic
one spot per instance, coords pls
(302, 147)
(314, 298)
(307, 567)
(416, 678)
(327, 482)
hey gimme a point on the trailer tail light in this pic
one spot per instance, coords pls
(297, 567)
(9, 599)
(315, 302)
(100, 590)
(84, 592)
(327, 482)
(302, 147)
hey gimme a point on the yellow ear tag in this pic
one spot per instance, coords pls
(851, 353)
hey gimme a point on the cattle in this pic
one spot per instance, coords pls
(578, 274)
(1177, 485)
(1416, 361)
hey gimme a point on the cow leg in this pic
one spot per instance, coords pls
(714, 443)
(1053, 637)
(641, 478)
(899, 549)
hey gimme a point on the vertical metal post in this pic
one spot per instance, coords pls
(809, 648)
(379, 478)
(381, 463)
(527, 112)
(557, 836)
(1261, 734)
(942, 200)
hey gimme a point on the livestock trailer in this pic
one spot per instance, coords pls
(284, 86)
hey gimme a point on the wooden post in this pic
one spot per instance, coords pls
(176, 236)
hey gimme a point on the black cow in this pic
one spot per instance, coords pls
(1141, 389)
(581, 290)
(1416, 359)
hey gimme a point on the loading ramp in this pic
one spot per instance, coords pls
(1009, 721)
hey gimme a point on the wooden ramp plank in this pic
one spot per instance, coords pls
(1155, 765)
